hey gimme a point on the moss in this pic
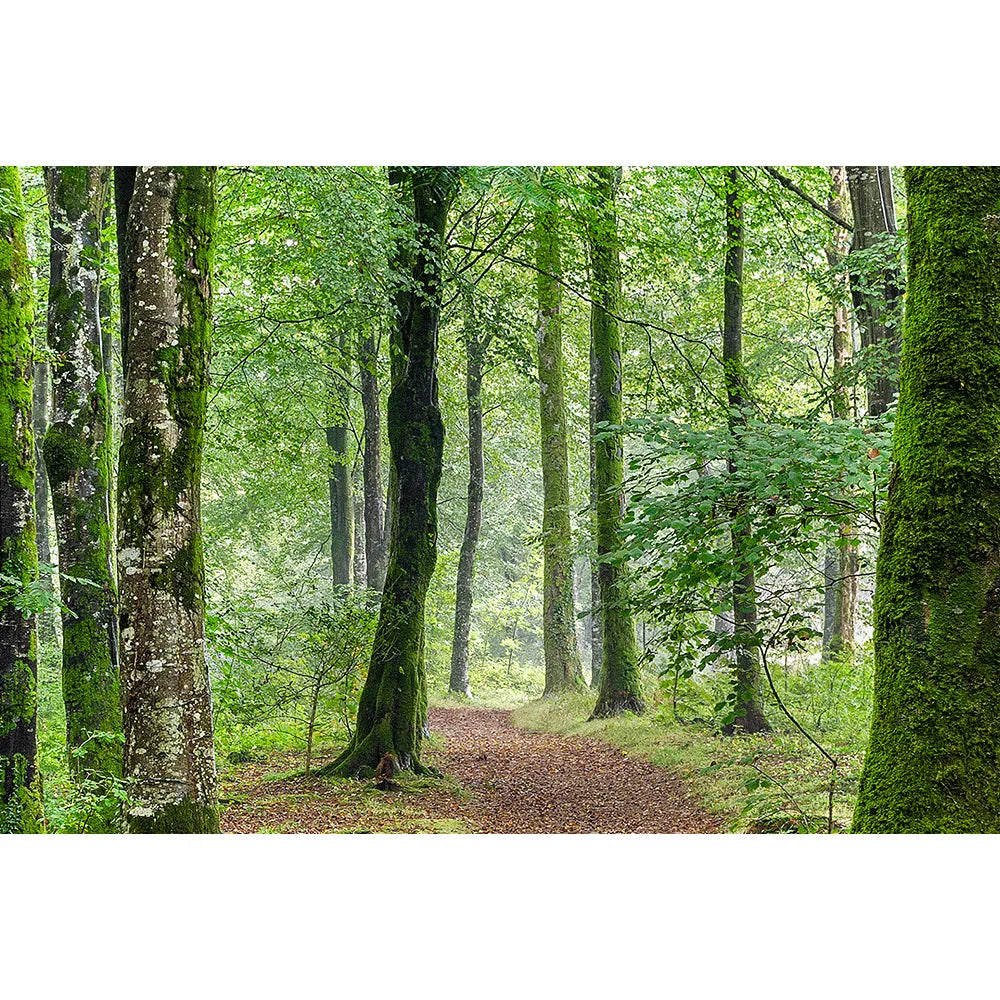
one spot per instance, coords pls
(932, 758)
(186, 816)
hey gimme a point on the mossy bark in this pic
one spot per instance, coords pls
(620, 687)
(78, 459)
(594, 617)
(474, 351)
(20, 803)
(341, 494)
(393, 707)
(376, 547)
(747, 682)
(169, 752)
(876, 299)
(562, 659)
(932, 764)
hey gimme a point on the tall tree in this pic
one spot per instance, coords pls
(169, 752)
(20, 805)
(931, 764)
(875, 287)
(749, 710)
(78, 459)
(594, 618)
(841, 562)
(620, 683)
(476, 344)
(376, 537)
(393, 706)
(341, 501)
(562, 659)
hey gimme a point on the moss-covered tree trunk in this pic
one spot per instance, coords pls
(169, 753)
(20, 801)
(562, 659)
(475, 348)
(341, 499)
(393, 706)
(841, 569)
(620, 683)
(747, 684)
(876, 296)
(78, 459)
(376, 541)
(931, 765)
(594, 618)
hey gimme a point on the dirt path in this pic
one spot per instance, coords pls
(524, 782)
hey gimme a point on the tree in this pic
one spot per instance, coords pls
(168, 253)
(620, 685)
(376, 541)
(78, 458)
(476, 344)
(931, 762)
(875, 285)
(748, 692)
(393, 706)
(341, 501)
(562, 660)
(20, 804)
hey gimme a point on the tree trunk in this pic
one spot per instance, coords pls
(376, 537)
(594, 618)
(78, 458)
(341, 502)
(360, 571)
(40, 410)
(562, 660)
(931, 765)
(874, 219)
(20, 801)
(474, 350)
(842, 577)
(620, 683)
(393, 707)
(169, 753)
(747, 681)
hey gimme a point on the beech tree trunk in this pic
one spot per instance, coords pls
(376, 537)
(842, 570)
(562, 659)
(620, 683)
(931, 765)
(78, 458)
(594, 617)
(169, 752)
(20, 801)
(875, 305)
(393, 708)
(747, 680)
(341, 501)
(474, 350)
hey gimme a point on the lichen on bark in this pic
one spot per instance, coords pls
(931, 765)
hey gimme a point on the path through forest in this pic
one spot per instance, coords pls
(511, 781)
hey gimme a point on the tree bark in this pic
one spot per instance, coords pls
(341, 501)
(376, 537)
(20, 801)
(747, 680)
(78, 458)
(393, 707)
(931, 765)
(594, 618)
(169, 752)
(474, 351)
(875, 219)
(562, 660)
(360, 571)
(620, 683)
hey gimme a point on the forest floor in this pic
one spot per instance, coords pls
(498, 778)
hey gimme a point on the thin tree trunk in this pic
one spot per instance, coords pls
(596, 646)
(562, 660)
(620, 682)
(474, 349)
(78, 458)
(874, 220)
(747, 681)
(931, 765)
(393, 707)
(341, 502)
(20, 800)
(376, 537)
(360, 571)
(169, 751)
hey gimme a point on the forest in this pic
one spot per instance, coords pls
(510, 499)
